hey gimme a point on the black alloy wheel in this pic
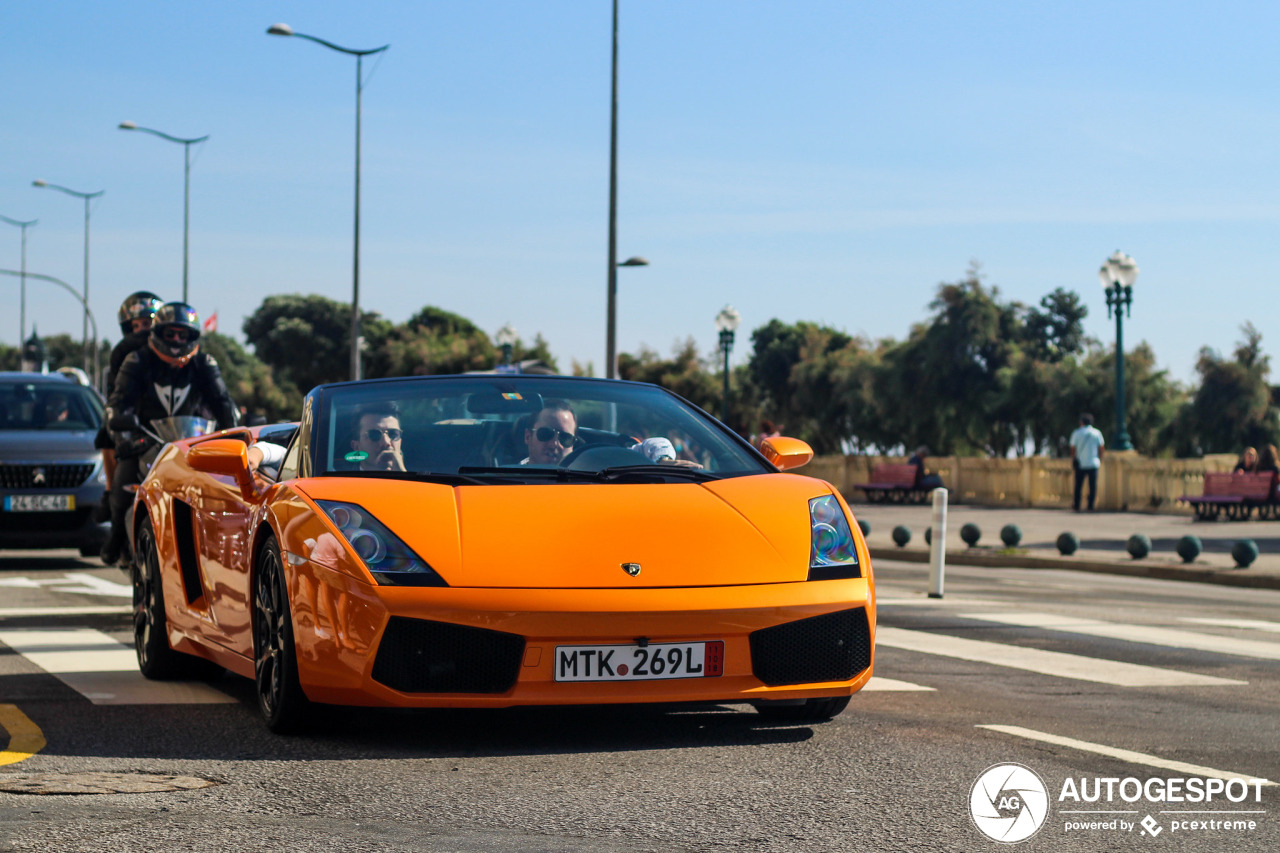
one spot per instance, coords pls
(275, 660)
(150, 628)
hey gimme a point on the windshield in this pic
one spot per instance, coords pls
(48, 406)
(522, 429)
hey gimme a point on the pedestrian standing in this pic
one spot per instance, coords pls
(1086, 459)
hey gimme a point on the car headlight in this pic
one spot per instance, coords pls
(832, 554)
(388, 559)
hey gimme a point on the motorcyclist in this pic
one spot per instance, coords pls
(168, 377)
(135, 316)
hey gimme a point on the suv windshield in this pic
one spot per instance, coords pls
(48, 406)
(503, 429)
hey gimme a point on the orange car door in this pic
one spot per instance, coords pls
(222, 518)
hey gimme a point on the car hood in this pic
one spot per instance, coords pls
(744, 530)
(17, 446)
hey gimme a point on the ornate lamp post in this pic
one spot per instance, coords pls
(186, 190)
(1117, 275)
(726, 323)
(286, 30)
(22, 311)
(506, 339)
(87, 198)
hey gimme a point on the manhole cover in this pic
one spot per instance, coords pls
(98, 783)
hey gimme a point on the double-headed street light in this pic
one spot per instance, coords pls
(87, 198)
(727, 323)
(22, 310)
(1118, 273)
(186, 189)
(286, 30)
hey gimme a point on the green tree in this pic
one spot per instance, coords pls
(686, 373)
(1232, 406)
(306, 339)
(250, 381)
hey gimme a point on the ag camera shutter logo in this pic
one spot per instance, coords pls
(1009, 803)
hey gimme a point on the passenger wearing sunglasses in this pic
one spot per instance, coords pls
(552, 434)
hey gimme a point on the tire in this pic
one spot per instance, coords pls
(275, 659)
(150, 627)
(809, 711)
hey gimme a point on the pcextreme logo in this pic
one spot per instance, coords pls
(1009, 803)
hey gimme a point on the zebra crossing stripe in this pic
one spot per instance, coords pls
(892, 685)
(1060, 664)
(1123, 754)
(1150, 634)
(102, 670)
(1248, 624)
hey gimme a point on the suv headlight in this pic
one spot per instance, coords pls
(388, 559)
(832, 553)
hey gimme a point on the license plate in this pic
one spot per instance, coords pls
(640, 663)
(39, 503)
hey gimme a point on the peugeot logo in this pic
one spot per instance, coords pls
(38, 479)
(632, 569)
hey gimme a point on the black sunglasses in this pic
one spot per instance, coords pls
(545, 434)
(376, 434)
(176, 334)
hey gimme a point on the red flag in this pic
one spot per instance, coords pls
(211, 322)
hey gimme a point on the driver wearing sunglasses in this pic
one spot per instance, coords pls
(552, 434)
(378, 437)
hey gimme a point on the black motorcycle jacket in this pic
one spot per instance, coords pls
(148, 388)
(128, 344)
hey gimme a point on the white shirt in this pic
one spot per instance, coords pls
(1086, 441)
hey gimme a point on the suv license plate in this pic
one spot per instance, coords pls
(39, 503)
(640, 663)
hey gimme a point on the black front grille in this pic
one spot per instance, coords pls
(417, 656)
(832, 647)
(44, 476)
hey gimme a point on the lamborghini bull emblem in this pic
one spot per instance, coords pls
(632, 569)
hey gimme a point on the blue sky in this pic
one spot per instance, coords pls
(823, 161)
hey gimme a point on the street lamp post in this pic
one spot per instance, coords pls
(506, 339)
(22, 310)
(286, 30)
(186, 190)
(87, 198)
(1117, 275)
(611, 368)
(727, 323)
(93, 324)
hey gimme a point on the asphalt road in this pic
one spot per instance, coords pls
(1160, 672)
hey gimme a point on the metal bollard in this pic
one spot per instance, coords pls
(938, 546)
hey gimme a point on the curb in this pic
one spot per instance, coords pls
(1226, 577)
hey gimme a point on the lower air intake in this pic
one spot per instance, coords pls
(831, 647)
(417, 656)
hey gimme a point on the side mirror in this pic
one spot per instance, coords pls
(786, 453)
(225, 456)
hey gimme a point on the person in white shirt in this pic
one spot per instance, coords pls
(1086, 459)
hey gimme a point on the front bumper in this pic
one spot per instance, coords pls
(71, 529)
(505, 641)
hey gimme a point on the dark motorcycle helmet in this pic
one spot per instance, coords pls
(143, 303)
(175, 315)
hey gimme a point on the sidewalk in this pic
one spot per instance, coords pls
(1103, 538)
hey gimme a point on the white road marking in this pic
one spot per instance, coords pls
(102, 670)
(1150, 634)
(1058, 664)
(893, 685)
(1251, 624)
(83, 584)
(1123, 754)
(924, 601)
(10, 612)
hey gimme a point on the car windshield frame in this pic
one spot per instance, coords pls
(43, 405)
(468, 430)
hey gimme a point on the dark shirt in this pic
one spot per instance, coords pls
(151, 388)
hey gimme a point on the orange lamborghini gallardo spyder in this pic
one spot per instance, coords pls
(496, 540)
